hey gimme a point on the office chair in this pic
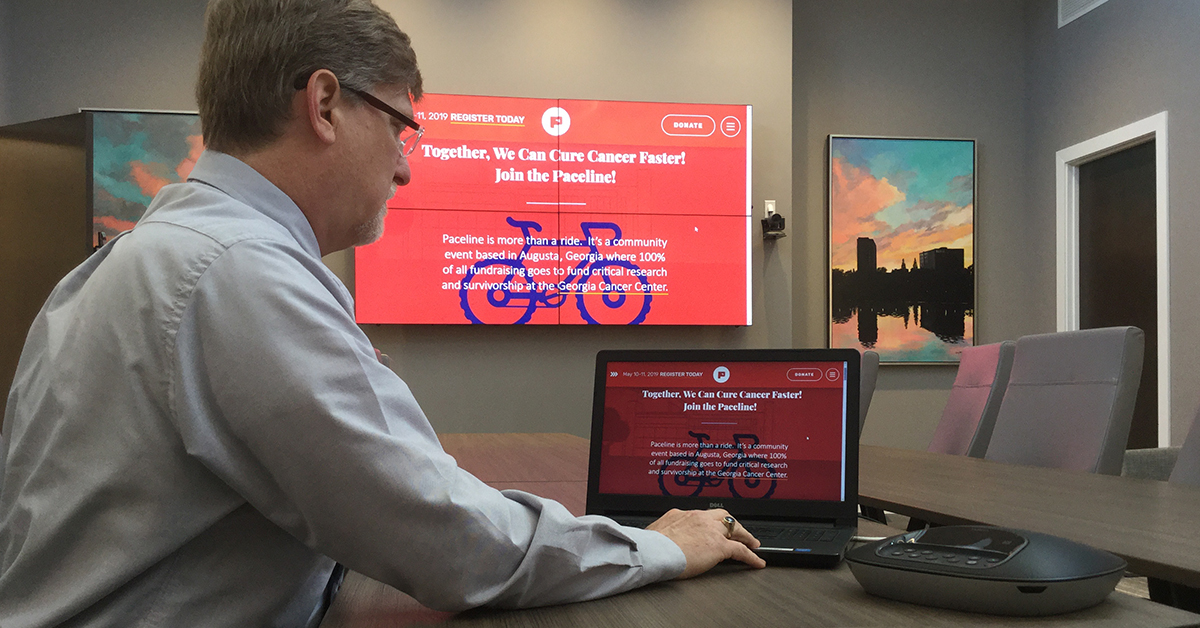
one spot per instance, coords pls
(868, 374)
(970, 414)
(1150, 463)
(1069, 400)
(1187, 464)
(1176, 464)
(1186, 471)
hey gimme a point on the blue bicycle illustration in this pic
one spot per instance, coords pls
(506, 291)
(689, 474)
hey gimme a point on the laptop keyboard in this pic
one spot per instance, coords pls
(794, 535)
(762, 532)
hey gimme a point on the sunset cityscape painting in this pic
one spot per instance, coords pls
(901, 247)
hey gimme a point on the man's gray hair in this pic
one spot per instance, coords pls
(255, 50)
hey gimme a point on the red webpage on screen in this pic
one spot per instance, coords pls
(541, 211)
(757, 430)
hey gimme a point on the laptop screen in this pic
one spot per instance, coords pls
(720, 429)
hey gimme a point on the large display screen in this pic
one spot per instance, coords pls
(758, 430)
(542, 211)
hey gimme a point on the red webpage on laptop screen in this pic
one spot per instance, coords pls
(548, 211)
(761, 430)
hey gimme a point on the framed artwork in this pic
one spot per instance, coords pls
(901, 247)
(133, 154)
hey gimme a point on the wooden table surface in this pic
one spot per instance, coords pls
(1154, 525)
(555, 465)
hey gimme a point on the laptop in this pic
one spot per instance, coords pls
(771, 435)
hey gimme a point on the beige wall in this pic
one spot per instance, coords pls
(59, 57)
(142, 54)
(915, 68)
(1125, 61)
(537, 378)
(4, 54)
(996, 70)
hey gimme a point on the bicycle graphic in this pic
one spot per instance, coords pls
(511, 296)
(683, 475)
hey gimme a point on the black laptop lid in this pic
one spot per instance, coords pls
(770, 434)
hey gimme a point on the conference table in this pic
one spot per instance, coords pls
(1153, 525)
(555, 466)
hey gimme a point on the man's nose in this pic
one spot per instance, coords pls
(403, 174)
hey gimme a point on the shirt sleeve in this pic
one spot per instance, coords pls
(279, 394)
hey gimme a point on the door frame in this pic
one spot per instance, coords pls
(1066, 167)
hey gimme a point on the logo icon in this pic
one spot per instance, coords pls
(556, 121)
(721, 374)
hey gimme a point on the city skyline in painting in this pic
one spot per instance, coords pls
(902, 279)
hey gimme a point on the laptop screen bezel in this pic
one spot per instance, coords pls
(842, 512)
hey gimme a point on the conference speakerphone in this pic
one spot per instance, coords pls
(987, 569)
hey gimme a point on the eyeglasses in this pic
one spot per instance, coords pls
(408, 141)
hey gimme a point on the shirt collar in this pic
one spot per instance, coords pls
(237, 179)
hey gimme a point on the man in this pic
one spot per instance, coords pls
(197, 429)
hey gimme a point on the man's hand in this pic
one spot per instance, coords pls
(383, 358)
(706, 540)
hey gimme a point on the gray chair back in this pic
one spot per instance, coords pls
(1070, 399)
(1187, 465)
(868, 374)
(970, 413)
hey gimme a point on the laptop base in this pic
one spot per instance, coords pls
(825, 548)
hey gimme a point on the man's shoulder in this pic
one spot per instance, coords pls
(192, 231)
(198, 215)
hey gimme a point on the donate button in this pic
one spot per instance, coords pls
(804, 375)
(686, 124)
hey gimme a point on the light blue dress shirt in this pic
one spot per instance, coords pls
(197, 430)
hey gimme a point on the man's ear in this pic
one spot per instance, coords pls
(320, 100)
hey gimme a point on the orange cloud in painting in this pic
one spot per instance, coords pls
(147, 181)
(858, 197)
(114, 225)
(907, 241)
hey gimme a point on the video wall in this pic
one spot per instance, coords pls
(545, 211)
